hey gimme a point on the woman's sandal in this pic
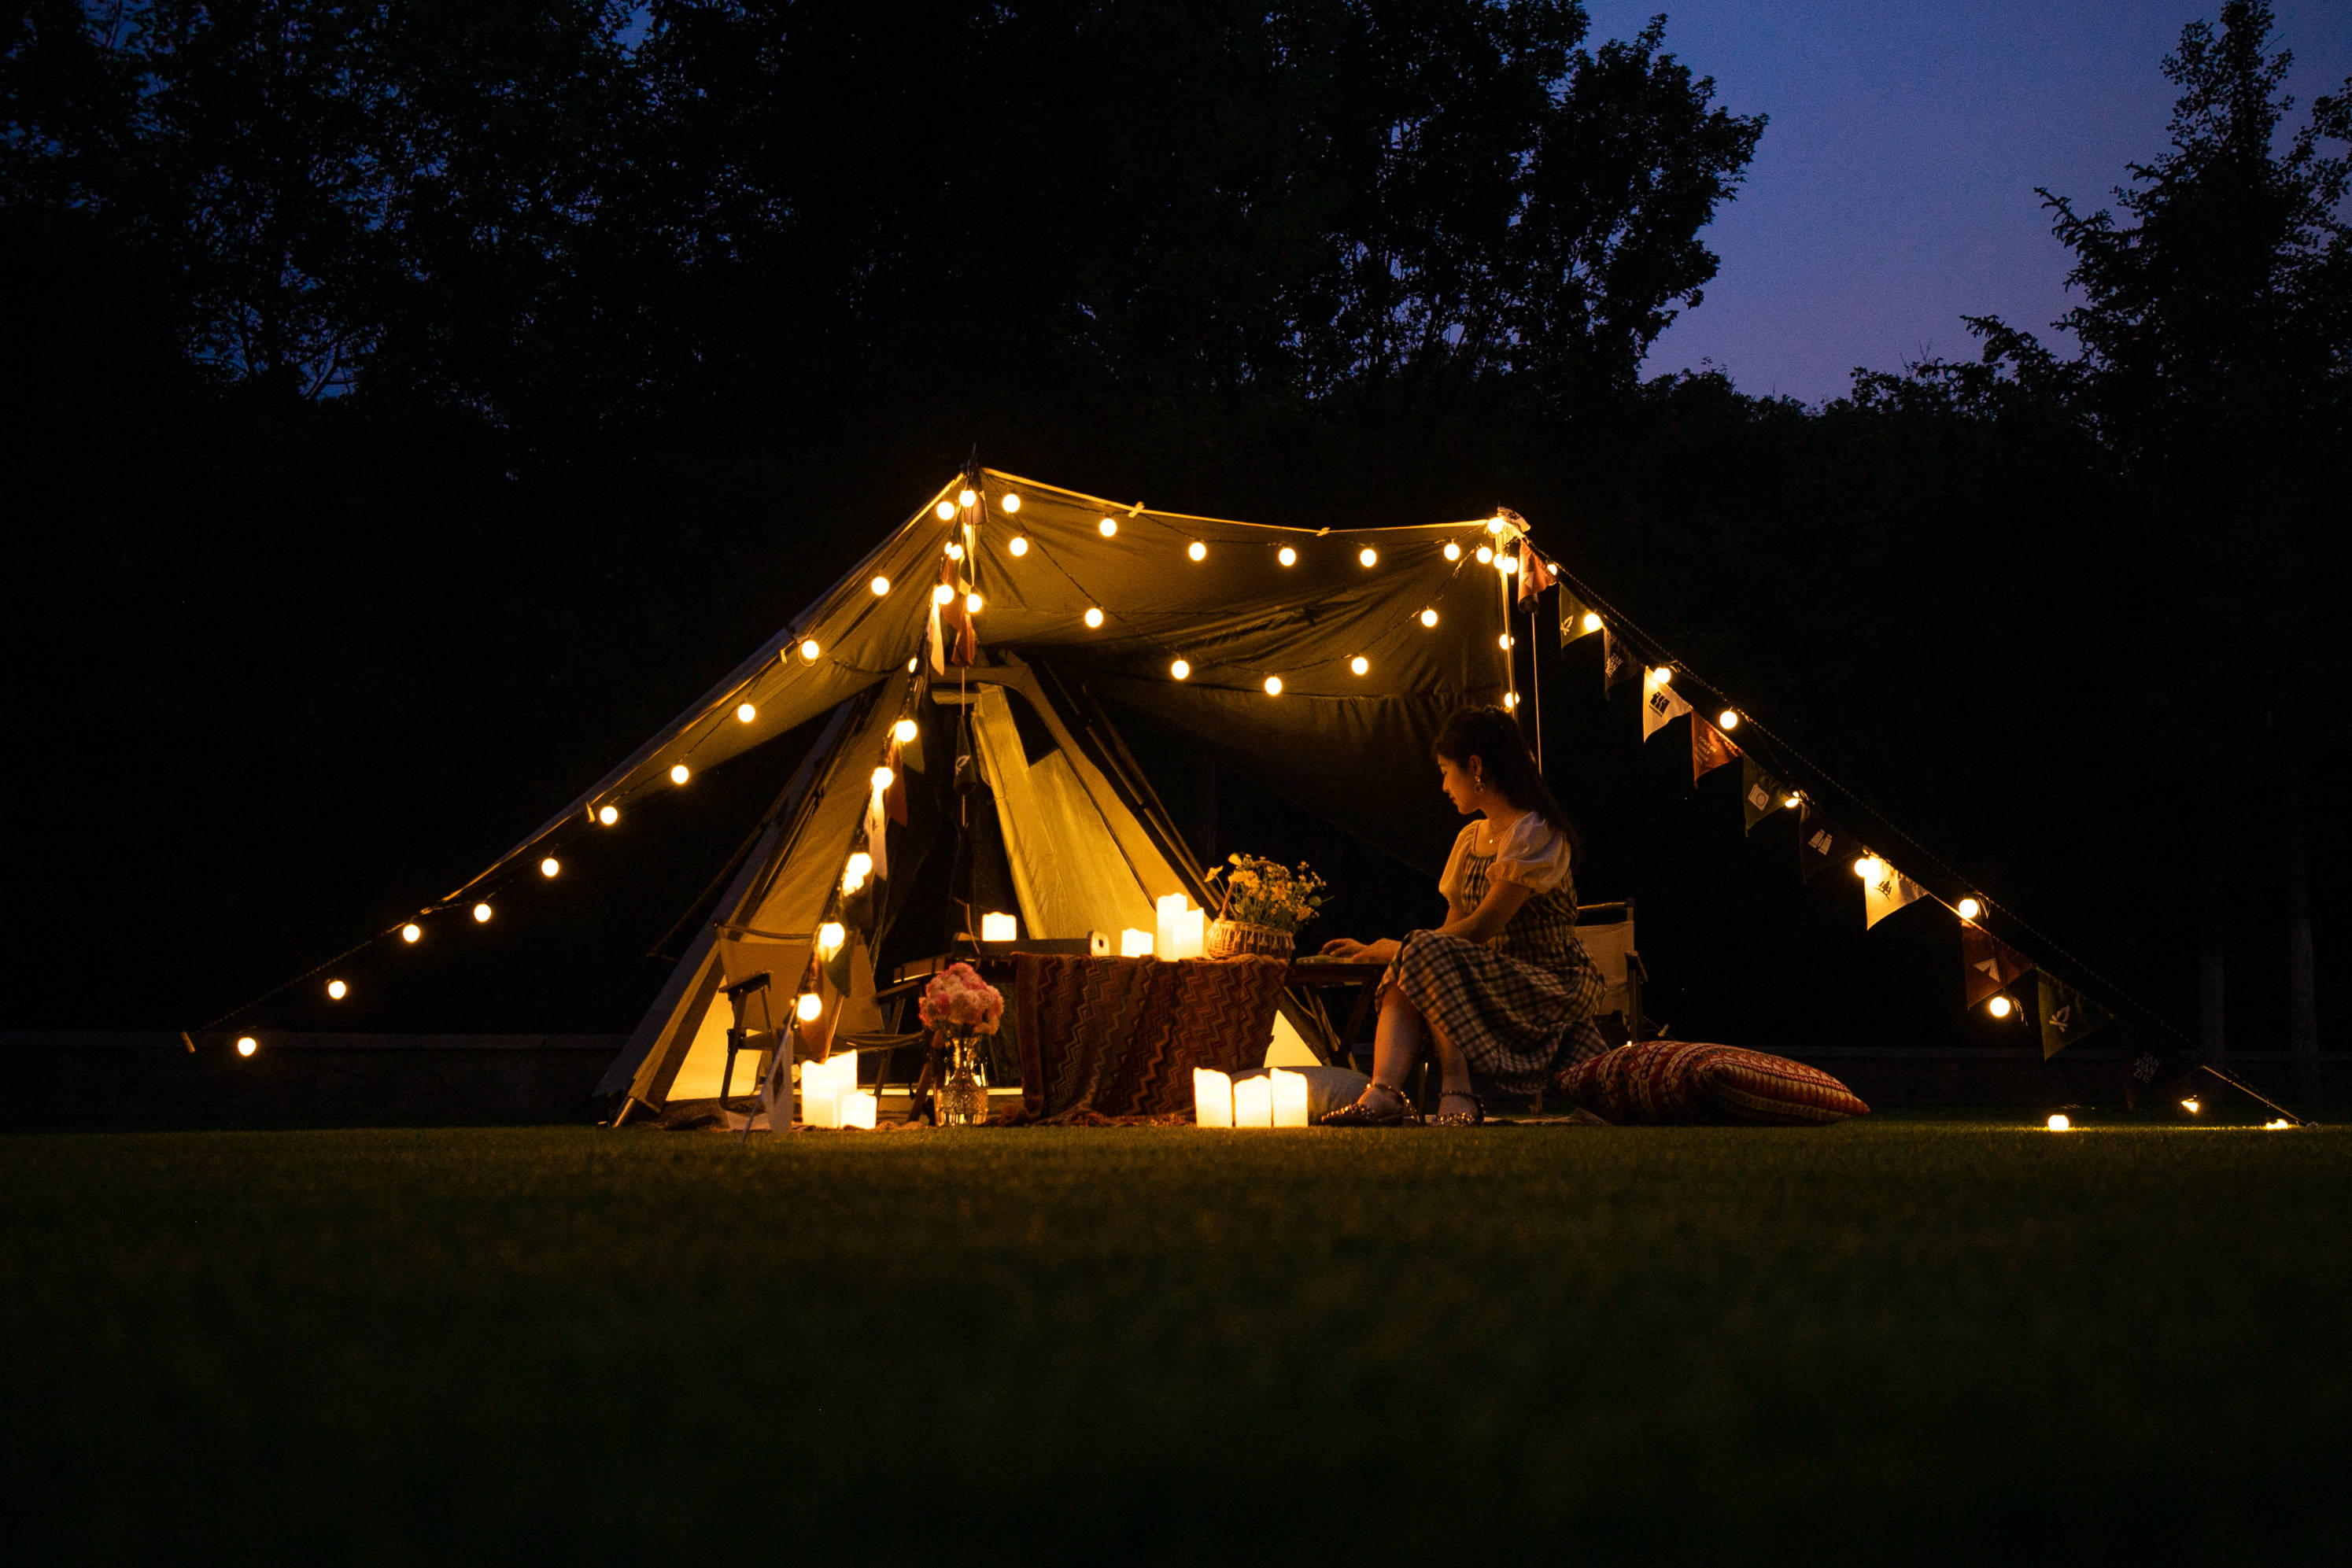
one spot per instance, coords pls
(1470, 1118)
(1362, 1115)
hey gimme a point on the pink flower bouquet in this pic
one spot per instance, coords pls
(960, 1002)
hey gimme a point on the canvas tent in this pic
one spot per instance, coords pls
(1020, 687)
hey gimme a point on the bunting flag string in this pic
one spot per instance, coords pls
(1885, 890)
(1710, 748)
(1661, 703)
(1760, 794)
(2067, 1016)
(1821, 843)
(1988, 965)
(1577, 619)
(1616, 660)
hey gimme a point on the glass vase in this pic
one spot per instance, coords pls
(963, 1096)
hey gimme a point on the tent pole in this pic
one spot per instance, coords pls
(1535, 674)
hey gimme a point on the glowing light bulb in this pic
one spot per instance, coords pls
(971, 602)
(481, 914)
(1197, 550)
(1510, 699)
(1094, 616)
(1018, 546)
(1868, 866)
(809, 649)
(608, 815)
(551, 867)
(411, 932)
(1429, 617)
(810, 1005)
(880, 585)
(1968, 909)
(2000, 1006)
(1495, 524)
(883, 779)
(2058, 1124)
(1503, 641)
(903, 731)
(955, 551)
(1360, 665)
(1368, 556)
(1792, 801)
(1179, 669)
(247, 1045)
(2192, 1106)
(1485, 554)
(1592, 622)
(1661, 674)
(1726, 719)
(1273, 685)
(2278, 1125)
(338, 990)
(1507, 564)
(943, 594)
(1286, 555)
(1108, 527)
(1453, 551)
(946, 510)
(830, 936)
(678, 774)
(1011, 503)
(861, 866)
(967, 500)
(746, 713)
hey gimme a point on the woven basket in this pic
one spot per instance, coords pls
(1227, 939)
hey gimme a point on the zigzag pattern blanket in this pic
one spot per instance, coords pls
(1119, 1037)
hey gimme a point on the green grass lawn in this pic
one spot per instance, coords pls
(1898, 1339)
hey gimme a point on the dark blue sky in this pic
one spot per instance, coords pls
(1894, 191)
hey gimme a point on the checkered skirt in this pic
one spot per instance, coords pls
(1520, 1006)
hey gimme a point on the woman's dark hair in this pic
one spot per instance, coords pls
(1493, 736)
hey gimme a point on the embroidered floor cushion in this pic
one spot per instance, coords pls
(1672, 1081)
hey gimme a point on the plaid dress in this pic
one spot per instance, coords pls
(1519, 1006)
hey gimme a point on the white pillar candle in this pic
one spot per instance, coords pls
(820, 1098)
(1253, 1103)
(999, 928)
(1170, 912)
(1134, 943)
(1213, 1098)
(857, 1109)
(1289, 1090)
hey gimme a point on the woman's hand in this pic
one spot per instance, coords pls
(1349, 948)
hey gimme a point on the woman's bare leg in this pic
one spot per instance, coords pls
(1396, 1044)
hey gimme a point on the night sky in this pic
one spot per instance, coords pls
(1893, 190)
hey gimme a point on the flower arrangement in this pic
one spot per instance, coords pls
(1262, 892)
(960, 1002)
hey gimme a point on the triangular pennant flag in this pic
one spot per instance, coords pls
(1760, 794)
(1534, 575)
(1617, 661)
(1660, 705)
(964, 643)
(1577, 619)
(1710, 748)
(938, 655)
(1820, 841)
(2067, 1016)
(2152, 1068)
(878, 833)
(1987, 964)
(1885, 891)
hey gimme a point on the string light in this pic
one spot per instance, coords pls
(883, 779)
(1286, 555)
(1360, 665)
(1093, 615)
(903, 731)
(1018, 546)
(1792, 800)
(1510, 699)
(1197, 550)
(2058, 1124)
(967, 500)
(1179, 669)
(971, 603)
(1503, 641)
(830, 936)
(1429, 617)
(2192, 1106)
(854, 873)
(1726, 719)
(746, 712)
(1868, 867)
(1485, 554)
(810, 1005)
(608, 815)
(1108, 527)
(1495, 524)
(338, 990)
(1368, 556)
(247, 1045)
(1011, 503)
(411, 932)
(551, 867)
(1273, 685)
(1507, 564)
(1661, 675)
(2279, 1125)
(946, 510)
(1453, 551)
(943, 594)
(1592, 622)
(809, 649)
(481, 914)
(1968, 909)
(880, 585)
(2000, 1006)
(677, 773)
(955, 551)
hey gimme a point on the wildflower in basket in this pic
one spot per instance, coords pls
(1264, 892)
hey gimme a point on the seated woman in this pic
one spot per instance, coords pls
(1503, 990)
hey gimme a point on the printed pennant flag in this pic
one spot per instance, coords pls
(1573, 612)
(2152, 1068)
(1885, 891)
(1710, 748)
(1660, 705)
(878, 833)
(1987, 964)
(1534, 575)
(1821, 843)
(1617, 661)
(2067, 1016)
(1760, 794)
